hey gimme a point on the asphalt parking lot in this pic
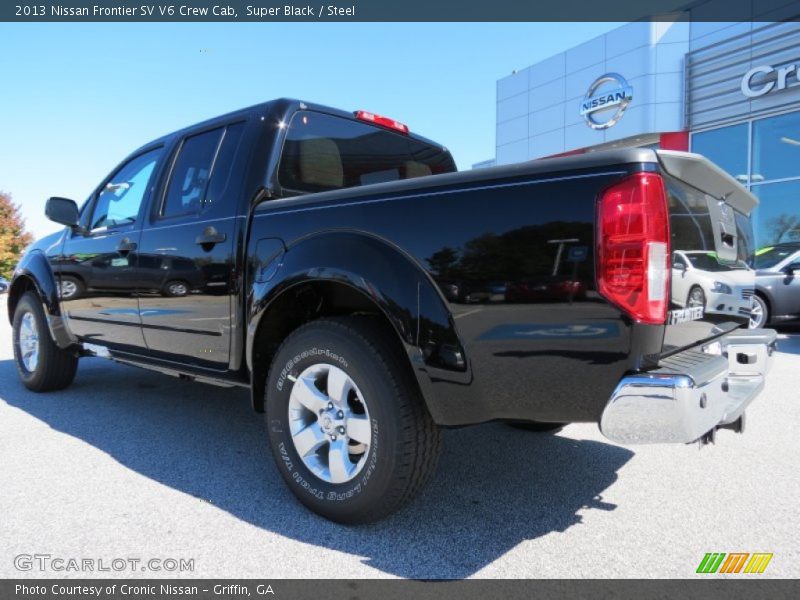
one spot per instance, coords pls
(132, 464)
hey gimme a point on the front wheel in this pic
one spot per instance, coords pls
(346, 421)
(42, 366)
(697, 297)
(759, 313)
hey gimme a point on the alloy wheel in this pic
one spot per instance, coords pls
(329, 423)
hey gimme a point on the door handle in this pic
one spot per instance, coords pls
(126, 246)
(209, 237)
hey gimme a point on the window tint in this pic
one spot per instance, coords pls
(191, 173)
(121, 198)
(768, 257)
(323, 152)
(223, 166)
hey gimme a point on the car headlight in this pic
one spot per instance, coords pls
(721, 288)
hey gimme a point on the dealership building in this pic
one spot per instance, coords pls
(730, 91)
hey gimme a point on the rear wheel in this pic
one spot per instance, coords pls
(759, 312)
(42, 366)
(346, 421)
(176, 288)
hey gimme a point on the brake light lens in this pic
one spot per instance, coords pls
(363, 115)
(633, 247)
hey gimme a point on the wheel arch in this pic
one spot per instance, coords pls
(768, 301)
(34, 274)
(340, 273)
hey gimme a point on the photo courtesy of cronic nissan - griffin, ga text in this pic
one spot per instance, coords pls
(368, 295)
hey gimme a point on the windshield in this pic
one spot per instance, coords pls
(766, 258)
(707, 261)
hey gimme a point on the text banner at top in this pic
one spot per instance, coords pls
(397, 10)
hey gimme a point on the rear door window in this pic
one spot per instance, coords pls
(191, 173)
(323, 152)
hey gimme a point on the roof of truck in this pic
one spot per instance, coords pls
(283, 107)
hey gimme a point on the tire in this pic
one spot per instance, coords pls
(176, 288)
(696, 297)
(70, 288)
(51, 368)
(537, 427)
(759, 315)
(394, 454)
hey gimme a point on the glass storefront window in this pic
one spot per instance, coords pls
(773, 146)
(776, 147)
(727, 147)
(777, 218)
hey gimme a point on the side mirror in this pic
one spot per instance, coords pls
(62, 210)
(790, 269)
(679, 266)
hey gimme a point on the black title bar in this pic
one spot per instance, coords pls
(394, 10)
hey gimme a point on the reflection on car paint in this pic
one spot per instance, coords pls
(528, 331)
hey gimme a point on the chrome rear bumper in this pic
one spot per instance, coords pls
(691, 393)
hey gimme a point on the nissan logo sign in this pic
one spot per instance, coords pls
(606, 100)
(761, 80)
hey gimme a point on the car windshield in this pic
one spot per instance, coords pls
(766, 258)
(707, 261)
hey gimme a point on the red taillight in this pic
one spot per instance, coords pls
(633, 247)
(382, 121)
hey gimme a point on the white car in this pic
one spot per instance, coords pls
(699, 279)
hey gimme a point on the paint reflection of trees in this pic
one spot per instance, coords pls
(782, 228)
(512, 256)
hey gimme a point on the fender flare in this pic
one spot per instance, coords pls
(35, 268)
(381, 271)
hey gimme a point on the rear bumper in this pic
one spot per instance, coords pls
(690, 393)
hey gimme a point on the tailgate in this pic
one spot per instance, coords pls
(712, 246)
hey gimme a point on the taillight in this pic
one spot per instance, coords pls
(382, 121)
(633, 247)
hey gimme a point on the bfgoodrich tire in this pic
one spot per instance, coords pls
(42, 366)
(346, 421)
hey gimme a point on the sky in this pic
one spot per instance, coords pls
(77, 98)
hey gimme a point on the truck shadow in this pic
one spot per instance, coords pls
(789, 342)
(495, 486)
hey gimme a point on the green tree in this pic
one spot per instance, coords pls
(13, 237)
(443, 262)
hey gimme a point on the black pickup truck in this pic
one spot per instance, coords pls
(368, 295)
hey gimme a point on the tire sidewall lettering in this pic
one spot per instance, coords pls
(313, 352)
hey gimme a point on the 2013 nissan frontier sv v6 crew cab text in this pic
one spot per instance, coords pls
(367, 294)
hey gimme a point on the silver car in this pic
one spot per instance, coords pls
(777, 296)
